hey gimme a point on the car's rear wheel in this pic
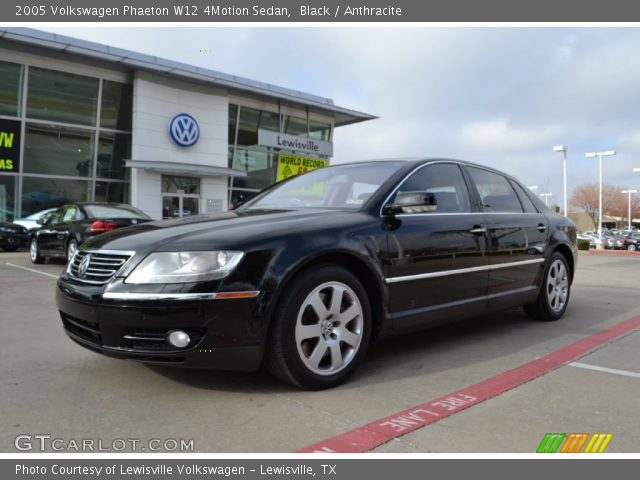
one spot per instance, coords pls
(555, 291)
(72, 246)
(321, 329)
(631, 247)
(34, 252)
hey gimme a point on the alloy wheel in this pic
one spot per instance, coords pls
(557, 286)
(329, 328)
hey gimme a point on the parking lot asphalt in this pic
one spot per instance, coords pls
(50, 386)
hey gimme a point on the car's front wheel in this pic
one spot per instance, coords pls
(631, 247)
(555, 291)
(321, 329)
(34, 252)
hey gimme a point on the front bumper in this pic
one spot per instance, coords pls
(12, 240)
(226, 334)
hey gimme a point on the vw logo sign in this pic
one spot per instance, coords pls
(184, 130)
(84, 265)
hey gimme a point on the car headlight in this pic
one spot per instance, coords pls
(183, 267)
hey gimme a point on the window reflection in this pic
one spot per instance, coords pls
(58, 151)
(61, 96)
(10, 87)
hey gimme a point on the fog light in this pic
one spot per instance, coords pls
(179, 339)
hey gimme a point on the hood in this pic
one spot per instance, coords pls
(229, 230)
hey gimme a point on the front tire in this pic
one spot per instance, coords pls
(321, 329)
(554, 294)
(631, 247)
(34, 252)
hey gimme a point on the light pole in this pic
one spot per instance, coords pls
(607, 153)
(546, 197)
(629, 192)
(563, 149)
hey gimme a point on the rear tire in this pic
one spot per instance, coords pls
(631, 247)
(321, 329)
(555, 291)
(34, 252)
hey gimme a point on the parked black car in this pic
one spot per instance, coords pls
(305, 275)
(13, 236)
(70, 225)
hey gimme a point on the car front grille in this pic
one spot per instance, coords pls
(101, 266)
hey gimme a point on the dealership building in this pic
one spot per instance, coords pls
(81, 121)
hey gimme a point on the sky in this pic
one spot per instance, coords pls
(497, 96)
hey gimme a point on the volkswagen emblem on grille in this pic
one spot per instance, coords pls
(84, 265)
(184, 130)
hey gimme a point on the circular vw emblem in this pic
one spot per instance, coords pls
(84, 265)
(184, 130)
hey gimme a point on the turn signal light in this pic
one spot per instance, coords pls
(100, 226)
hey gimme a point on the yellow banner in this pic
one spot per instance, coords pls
(290, 165)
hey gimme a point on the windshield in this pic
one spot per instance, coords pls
(341, 187)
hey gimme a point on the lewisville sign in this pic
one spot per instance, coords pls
(293, 143)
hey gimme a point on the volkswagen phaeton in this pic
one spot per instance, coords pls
(304, 276)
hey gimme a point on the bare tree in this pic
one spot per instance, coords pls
(614, 202)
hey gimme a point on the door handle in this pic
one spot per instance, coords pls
(478, 230)
(541, 227)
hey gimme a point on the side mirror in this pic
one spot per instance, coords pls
(412, 202)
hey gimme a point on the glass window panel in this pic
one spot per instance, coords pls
(319, 131)
(58, 151)
(233, 117)
(495, 191)
(41, 193)
(61, 96)
(445, 182)
(260, 167)
(112, 192)
(295, 126)
(7, 198)
(10, 88)
(252, 119)
(175, 184)
(117, 105)
(528, 205)
(113, 150)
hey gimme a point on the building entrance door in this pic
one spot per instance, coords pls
(180, 196)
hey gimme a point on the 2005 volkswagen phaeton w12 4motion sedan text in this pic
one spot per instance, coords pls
(304, 276)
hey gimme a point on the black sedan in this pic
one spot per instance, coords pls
(13, 236)
(70, 225)
(304, 276)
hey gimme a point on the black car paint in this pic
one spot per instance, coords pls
(278, 244)
(13, 236)
(53, 238)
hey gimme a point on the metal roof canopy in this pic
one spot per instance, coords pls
(184, 168)
(134, 60)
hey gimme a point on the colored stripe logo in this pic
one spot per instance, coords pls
(574, 443)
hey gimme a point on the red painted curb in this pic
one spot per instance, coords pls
(374, 434)
(613, 252)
